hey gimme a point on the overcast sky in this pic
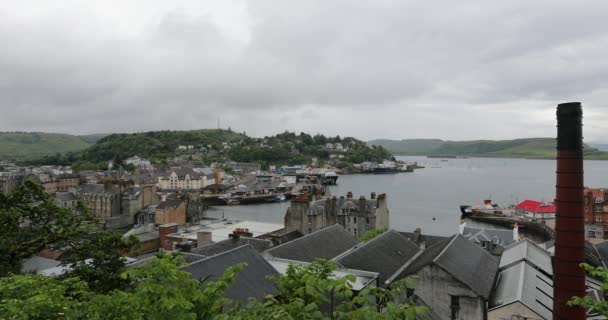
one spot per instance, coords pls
(369, 69)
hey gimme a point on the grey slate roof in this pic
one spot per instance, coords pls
(461, 258)
(503, 237)
(384, 254)
(252, 281)
(526, 284)
(529, 251)
(65, 196)
(326, 243)
(260, 245)
(36, 264)
(598, 254)
(428, 240)
(188, 257)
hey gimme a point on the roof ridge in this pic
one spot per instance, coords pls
(403, 267)
(303, 237)
(446, 247)
(360, 245)
(223, 253)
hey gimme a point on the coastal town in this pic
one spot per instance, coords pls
(502, 270)
(303, 160)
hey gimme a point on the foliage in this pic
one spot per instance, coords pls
(587, 302)
(20, 146)
(97, 259)
(287, 148)
(371, 234)
(30, 220)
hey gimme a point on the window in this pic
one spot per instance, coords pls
(598, 209)
(355, 229)
(455, 306)
(591, 234)
(355, 219)
(598, 218)
(367, 220)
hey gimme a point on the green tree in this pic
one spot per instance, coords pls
(98, 260)
(30, 220)
(599, 306)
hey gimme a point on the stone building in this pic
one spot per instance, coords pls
(184, 179)
(357, 216)
(102, 200)
(170, 211)
(9, 181)
(455, 279)
(67, 182)
(596, 213)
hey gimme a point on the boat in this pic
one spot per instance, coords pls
(385, 170)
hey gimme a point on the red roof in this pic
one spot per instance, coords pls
(536, 207)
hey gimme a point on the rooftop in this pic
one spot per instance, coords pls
(326, 243)
(384, 254)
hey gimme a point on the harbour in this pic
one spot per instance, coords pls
(429, 198)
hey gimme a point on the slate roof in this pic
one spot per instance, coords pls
(326, 243)
(599, 256)
(252, 281)
(94, 188)
(141, 259)
(169, 203)
(465, 261)
(260, 245)
(477, 235)
(428, 240)
(65, 196)
(526, 284)
(384, 254)
(528, 251)
(36, 264)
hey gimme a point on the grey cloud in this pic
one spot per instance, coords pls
(341, 67)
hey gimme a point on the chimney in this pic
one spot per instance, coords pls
(240, 232)
(349, 195)
(164, 231)
(569, 278)
(516, 232)
(373, 196)
(217, 175)
(362, 205)
(203, 238)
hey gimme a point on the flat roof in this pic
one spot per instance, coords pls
(220, 230)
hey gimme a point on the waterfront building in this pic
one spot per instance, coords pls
(184, 178)
(536, 209)
(596, 213)
(314, 213)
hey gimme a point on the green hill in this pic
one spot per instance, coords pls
(19, 146)
(531, 148)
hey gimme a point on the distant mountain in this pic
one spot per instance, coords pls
(600, 146)
(19, 146)
(532, 148)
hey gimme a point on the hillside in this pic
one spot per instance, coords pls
(531, 148)
(211, 145)
(19, 146)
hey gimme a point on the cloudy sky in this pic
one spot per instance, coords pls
(369, 69)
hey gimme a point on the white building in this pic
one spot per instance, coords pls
(185, 179)
(139, 162)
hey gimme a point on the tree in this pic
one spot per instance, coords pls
(599, 306)
(30, 220)
(98, 260)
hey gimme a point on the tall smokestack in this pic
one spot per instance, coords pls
(569, 277)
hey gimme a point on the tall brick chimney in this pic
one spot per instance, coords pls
(569, 277)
